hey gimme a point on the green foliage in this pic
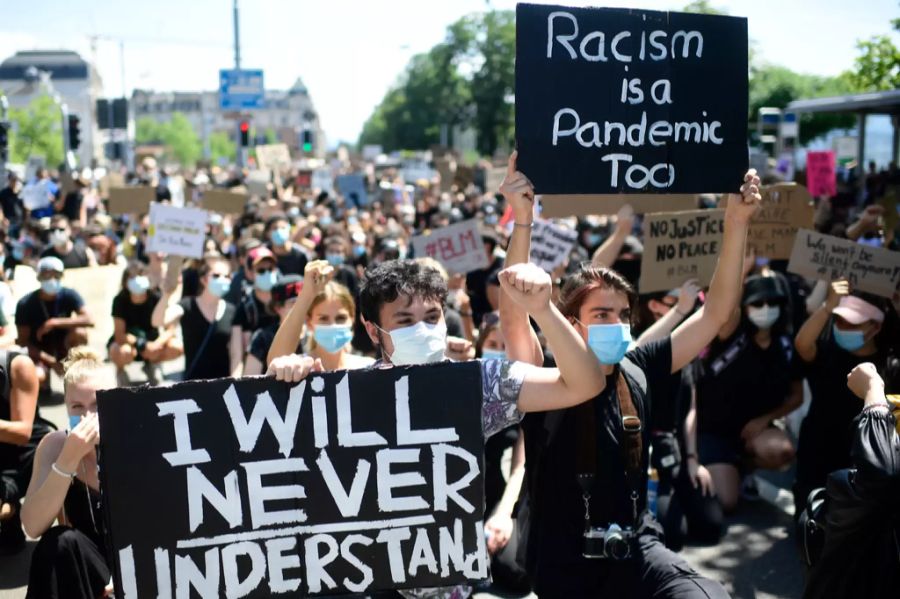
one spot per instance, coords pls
(877, 67)
(37, 131)
(222, 146)
(703, 7)
(177, 135)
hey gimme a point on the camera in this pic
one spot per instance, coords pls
(608, 543)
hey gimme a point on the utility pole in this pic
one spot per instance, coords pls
(240, 159)
(4, 123)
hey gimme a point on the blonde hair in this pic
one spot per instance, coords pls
(81, 363)
(333, 290)
(430, 262)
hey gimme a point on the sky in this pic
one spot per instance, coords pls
(349, 53)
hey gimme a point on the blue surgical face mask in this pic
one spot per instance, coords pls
(359, 251)
(332, 337)
(280, 235)
(266, 280)
(293, 211)
(74, 419)
(219, 286)
(18, 253)
(335, 259)
(138, 285)
(325, 220)
(594, 239)
(51, 286)
(493, 354)
(609, 342)
(848, 340)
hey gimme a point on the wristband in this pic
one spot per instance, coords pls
(61, 472)
(526, 225)
(690, 455)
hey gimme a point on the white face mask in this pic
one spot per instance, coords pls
(764, 317)
(58, 238)
(421, 343)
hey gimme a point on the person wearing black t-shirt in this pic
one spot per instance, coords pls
(284, 296)
(211, 349)
(134, 336)
(252, 310)
(51, 320)
(749, 379)
(588, 464)
(12, 204)
(291, 259)
(61, 246)
(850, 340)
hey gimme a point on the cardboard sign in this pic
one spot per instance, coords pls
(109, 181)
(176, 231)
(458, 247)
(679, 246)
(493, 178)
(303, 180)
(323, 180)
(871, 269)
(37, 195)
(273, 157)
(786, 207)
(617, 100)
(130, 200)
(258, 183)
(551, 244)
(353, 188)
(446, 169)
(561, 206)
(821, 176)
(348, 482)
(224, 202)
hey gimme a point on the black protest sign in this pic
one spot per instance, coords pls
(348, 482)
(630, 101)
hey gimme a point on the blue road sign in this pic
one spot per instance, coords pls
(241, 90)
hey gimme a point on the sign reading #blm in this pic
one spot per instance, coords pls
(626, 101)
(347, 482)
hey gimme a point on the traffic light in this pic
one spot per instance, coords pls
(74, 132)
(307, 140)
(4, 141)
(244, 128)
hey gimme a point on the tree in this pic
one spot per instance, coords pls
(177, 135)
(877, 68)
(493, 83)
(222, 146)
(37, 131)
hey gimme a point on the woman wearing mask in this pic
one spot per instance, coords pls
(748, 379)
(134, 336)
(327, 309)
(70, 558)
(291, 258)
(850, 325)
(252, 309)
(284, 296)
(490, 344)
(212, 349)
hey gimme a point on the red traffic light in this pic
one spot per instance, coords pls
(245, 126)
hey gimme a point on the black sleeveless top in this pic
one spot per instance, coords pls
(84, 512)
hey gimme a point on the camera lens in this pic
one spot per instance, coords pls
(616, 546)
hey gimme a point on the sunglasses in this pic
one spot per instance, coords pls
(761, 303)
(263, 271)
(57, 229)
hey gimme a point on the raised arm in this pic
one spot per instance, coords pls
(521, 340)
(671, 319)
(578, 377)
(808, 335)
(287, 338)
(724, 295)
(606, 254)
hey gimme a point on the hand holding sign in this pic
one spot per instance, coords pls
(528, 285)
(687, 296)
(836, 291)
(518, 191)
(624, 220)
(741, 208)
(293, 368)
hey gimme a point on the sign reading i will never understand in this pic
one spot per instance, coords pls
(626, 101)
(348, 482)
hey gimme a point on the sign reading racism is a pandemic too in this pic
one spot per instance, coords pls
(348, 482)
(626, 101)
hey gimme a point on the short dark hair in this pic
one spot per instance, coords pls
(276, 218)
(389, 280)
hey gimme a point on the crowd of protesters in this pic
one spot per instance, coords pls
(307, 273)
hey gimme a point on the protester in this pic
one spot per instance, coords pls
(63, 248)
(851, 339)
(861, 555)
(21, 430)
(290, 258)
(212, 349)
(284, 296)
(577, 474)
(51, 320)
(134, 336)
(11, 203)
(252, 310)
(70, 558)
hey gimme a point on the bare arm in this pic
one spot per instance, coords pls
(606, 254)
(671, 319)
(287, 338)
(725, 289)
(252, 366)
(23, 394)
(236, 352)
(165, 312)
(808, 335)
(82, 318)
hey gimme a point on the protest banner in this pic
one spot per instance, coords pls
(561, 206)
(303, 180)
(785, 208)
(348, 482)
(323, 180)
(353, 188)
(273, 157)
(224, 202)
(493, 177)
(130, 200)
(617, 100)
(176, 231)
(458, 247)
(846, 149)
(821, 176)
(446, 168)
(37, 195)
(258, 183)
(867, 268)
(551, 244)
(679, 246)
(110, 180)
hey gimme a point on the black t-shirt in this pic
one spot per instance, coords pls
(346, 276)
(12, 205)
(252, 314)
(552, 454)
(261, 342)
(77, 258)
(215, 360)
(137, 317)
(668, 416)
(476, 287)
(32, 311)
(738, 381)
(292, 262)
(72, 206)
